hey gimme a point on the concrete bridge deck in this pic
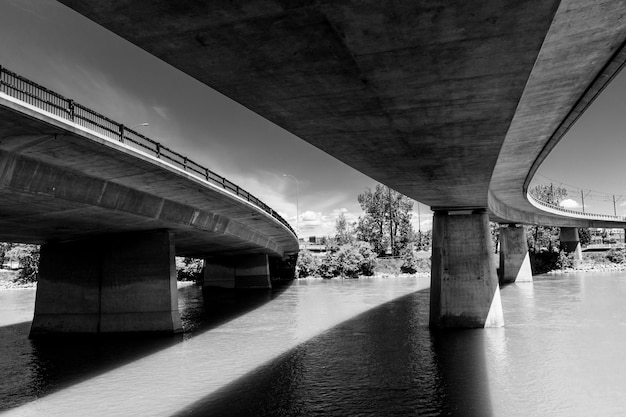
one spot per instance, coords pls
(111, 217)
(61, 182)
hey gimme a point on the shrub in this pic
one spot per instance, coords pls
(350, 260)
(544, 261)
(189, 269)
(564, 260)
(368, 262)
(329, 268)
(307, 264)
(409, 262)
(616, 255)
(28, 258)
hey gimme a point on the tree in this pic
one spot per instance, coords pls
(307, 264)
(584, 236)
(28, 258)
(5, 247)
(350, 261)
(494, 228)
(549, 193)
(189, 269)
(387, 220)
(344, 233)
(423, 240)
(544, 236)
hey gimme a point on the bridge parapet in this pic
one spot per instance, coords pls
(554, 209)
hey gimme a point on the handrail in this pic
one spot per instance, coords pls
(47, 100)
(533, 200)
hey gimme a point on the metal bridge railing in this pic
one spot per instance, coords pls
(579, 214)
(38, 96)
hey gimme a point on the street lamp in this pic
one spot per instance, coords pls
(297, 202)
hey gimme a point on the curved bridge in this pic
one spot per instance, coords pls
(112, 208)
(454, 104)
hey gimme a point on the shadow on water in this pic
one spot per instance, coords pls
(383, 362)
(31, 369)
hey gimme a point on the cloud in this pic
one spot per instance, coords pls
(161, 111)
(569, 204)
(318, 223)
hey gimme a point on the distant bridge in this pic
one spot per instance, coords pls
(112, 208)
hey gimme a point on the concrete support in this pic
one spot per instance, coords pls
(570, 242)
(243, 271)
(464, 288)
(514, 256)
(120, 283)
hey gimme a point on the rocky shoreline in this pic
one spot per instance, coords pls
(591, 267)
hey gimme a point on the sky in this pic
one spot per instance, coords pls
(52, 45)
(591, 156)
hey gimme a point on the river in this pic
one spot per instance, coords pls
(334, 348)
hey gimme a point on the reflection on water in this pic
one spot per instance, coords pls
(337, 348)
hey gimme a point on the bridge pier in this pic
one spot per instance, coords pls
(241, 272)
(570, 242)
(464, 289)
(514, 256)
(119, 283)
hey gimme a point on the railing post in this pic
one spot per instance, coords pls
(185, 163)
(122, 133)
(70, 108)
(158, 151)
(1, 79)
(206, 173)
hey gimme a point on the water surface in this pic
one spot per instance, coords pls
(338, 348)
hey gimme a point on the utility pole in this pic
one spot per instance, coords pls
(582, 197)
(419, 220)
(297, 203)
(390, 222)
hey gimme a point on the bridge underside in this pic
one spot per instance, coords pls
(451, 103)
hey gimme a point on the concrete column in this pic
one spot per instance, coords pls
(464, 288)
(120, 283)
(570, 242)
(514, 256)
(242, 271)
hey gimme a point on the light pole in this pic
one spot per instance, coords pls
(140, 124)
(297, 202)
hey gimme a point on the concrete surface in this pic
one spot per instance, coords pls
(570, 242)
(464, 290)
(514, 256)
(240, 272)
(454, 104)
(124, 283)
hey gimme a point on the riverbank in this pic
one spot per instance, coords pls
(591, 267)
(377, 275)
(7, 277)
(388, 270)
(593, 262)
